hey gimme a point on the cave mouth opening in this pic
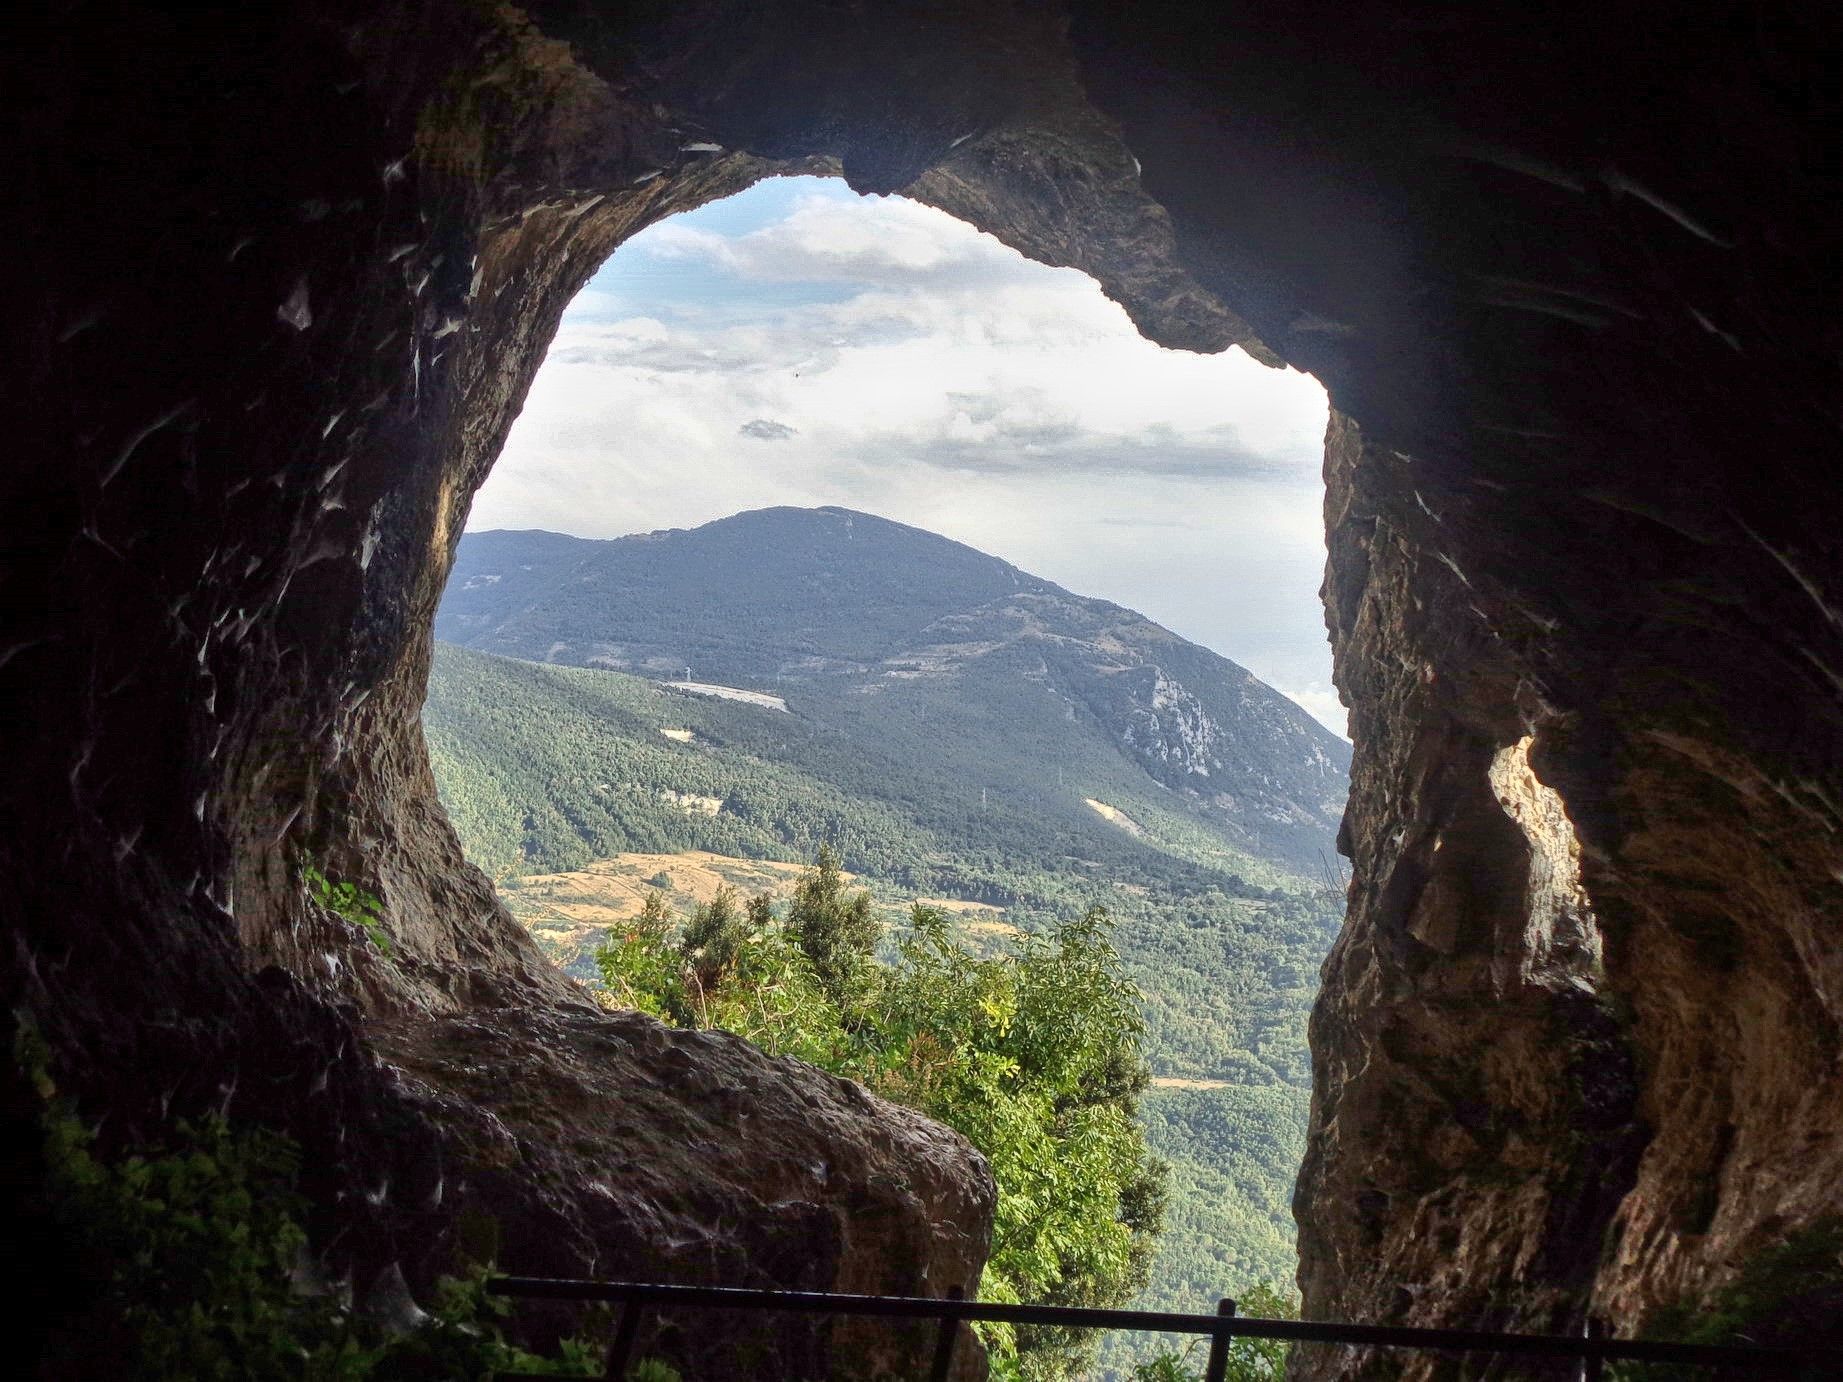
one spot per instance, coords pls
(797, 364)
(1578, 353)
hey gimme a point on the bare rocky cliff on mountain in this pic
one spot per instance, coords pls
(278, 280)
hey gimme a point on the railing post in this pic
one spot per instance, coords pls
(944, 1339)
(1593, 1364)
(1219, 1344)
(621, 1351)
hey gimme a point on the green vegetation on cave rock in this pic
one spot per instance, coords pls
(957, 730)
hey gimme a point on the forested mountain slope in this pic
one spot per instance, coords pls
(885, 628)
(545, 769)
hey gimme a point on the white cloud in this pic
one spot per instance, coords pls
(942, 380)
(1322, 704)
(876, 242)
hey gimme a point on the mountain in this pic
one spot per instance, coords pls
(878, 623)
(547, 770)
(662, 714)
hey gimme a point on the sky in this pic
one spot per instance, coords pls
(799, 344)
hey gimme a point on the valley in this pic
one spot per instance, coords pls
(1006, 751)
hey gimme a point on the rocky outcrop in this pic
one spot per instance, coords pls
(1573, 523)
(609, 1145)
(1475, 1120)
(279, 279)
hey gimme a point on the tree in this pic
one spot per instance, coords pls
(714, 939)
(1033, 1054)
(836, 931)
(641, 968)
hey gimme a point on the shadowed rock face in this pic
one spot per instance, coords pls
(279, 279)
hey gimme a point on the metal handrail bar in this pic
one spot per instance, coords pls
(1594, 1350)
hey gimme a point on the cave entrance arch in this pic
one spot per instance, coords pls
(1577, 331)
(798, 344)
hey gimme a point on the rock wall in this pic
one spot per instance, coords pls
(1474, 1119)
(280, 278)
(1569, 282)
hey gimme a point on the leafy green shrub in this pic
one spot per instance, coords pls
(349, 902)
(201, 1270)
(641, 967)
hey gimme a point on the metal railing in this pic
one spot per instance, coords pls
(1222, 1328)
